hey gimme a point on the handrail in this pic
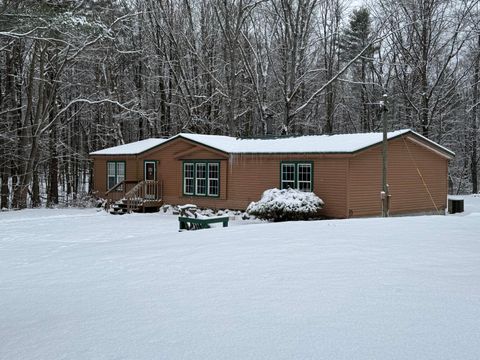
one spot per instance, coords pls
(139, 195)
(140, 191)
(124, 182)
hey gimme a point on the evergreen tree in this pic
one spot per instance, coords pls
(358, 36)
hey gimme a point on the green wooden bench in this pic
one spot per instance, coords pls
(188, 223)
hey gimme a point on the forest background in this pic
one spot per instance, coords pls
(77, 76)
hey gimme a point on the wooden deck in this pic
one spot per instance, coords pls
(128, 196)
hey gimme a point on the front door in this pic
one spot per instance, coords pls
(150, 175)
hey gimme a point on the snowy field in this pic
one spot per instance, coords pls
(77, 284)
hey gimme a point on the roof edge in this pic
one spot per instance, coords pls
(93, 153)
(449, 154)
(179, 135)
(437, 145)
(401, 133)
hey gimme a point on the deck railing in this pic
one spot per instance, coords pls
(144, 193)
(118, 191)
(135, 194)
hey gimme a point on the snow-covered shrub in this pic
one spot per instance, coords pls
(285, 205)
(175, 210)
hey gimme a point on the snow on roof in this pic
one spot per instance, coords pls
(133, 148)
(345, 143)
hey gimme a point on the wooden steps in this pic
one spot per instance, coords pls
(145, 196)
(121, 207)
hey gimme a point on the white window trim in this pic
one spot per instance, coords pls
(185, 178)
(296, 175)
(309, 165)
(217, 179)
(200, 178)
(116, 176)
(207, 164)
(282, 173)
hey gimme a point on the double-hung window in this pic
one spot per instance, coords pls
(115, 173)
(213, 179)
(288, 175)
(296, 175)
(201, 178)
(304, 177)
(188, 178)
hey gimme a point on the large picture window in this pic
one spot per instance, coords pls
(296, 175)
(115, 173)
(201, 178)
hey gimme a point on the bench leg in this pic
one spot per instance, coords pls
(225, 223)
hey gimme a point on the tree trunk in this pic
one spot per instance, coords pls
(474, 129)
(36, 202)
(4, 190)
(52, 194)
(424, 111)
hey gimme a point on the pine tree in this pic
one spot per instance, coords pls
(358, 36)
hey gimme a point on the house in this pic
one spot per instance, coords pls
(226, 172)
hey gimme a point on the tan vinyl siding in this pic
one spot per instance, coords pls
(349, 184)
(243, 178)
(331, 186)
(170, 171)
(100, 171)
(408, 191)
(250, 175)
(200, 154)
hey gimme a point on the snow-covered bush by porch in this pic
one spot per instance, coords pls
(286, 204)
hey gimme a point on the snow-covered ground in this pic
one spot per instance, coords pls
(77, 284)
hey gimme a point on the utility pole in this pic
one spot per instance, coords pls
(384, 195)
